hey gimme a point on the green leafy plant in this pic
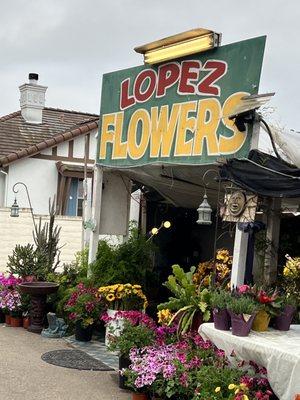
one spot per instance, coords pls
(213, 382)
(46, 239)
(130, 261)
(188, 300)
(242, 305)
(132, 336)
(22, 262)
(220, 299)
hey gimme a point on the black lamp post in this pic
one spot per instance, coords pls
(14, 210)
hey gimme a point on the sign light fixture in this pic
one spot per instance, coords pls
(180, 45)
(250, 103)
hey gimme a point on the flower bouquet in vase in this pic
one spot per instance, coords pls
(120, 297)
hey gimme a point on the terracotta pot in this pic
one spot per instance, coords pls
(139, 396)
(26, 322)
(241, 324)
(283, 321)
(7, 319)
(221, 319)
(16, 322)
(261, 321)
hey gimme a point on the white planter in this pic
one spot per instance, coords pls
(113, 327)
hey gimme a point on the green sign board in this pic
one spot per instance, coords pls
(177, 112)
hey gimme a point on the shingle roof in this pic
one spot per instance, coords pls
(20, 139)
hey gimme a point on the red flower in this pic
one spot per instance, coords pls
(264, 298)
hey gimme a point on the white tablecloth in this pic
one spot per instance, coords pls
(277, 351)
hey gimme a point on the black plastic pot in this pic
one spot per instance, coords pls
(83, 334)
(124, 362)
(2, 317)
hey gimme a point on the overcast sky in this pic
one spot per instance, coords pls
(71, 43)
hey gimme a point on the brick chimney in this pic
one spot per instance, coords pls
(32, 100)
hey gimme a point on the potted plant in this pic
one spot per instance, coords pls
(7, 285)
(133, 336)
(284, 319)
(14, 305)
(121, 297)
(219, 301)
(84, 308)
(268, 304)
(190, 302)
(242, 311)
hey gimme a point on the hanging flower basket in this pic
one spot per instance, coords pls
(221, 319)
(283, 321)
(261, 321)
(241, 324)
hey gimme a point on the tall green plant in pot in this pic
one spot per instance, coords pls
(189, 301)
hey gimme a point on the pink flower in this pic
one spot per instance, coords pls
(244, 288)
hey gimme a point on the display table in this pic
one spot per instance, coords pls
(277, 351)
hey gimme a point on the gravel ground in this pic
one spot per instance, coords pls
(23, 375)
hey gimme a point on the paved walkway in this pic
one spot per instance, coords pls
(24, 376)
(95, 349)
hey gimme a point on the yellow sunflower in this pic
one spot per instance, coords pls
(110, 297)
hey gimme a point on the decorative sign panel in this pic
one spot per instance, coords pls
(177, 112)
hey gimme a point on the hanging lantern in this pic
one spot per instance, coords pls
(204, 212)
(14, 209)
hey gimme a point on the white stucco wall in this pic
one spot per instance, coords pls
(78, 147)
(2, 188)
(93, 144)
(19, 231)
(63, 149)
(40, 176)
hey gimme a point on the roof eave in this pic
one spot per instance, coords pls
(48, 143)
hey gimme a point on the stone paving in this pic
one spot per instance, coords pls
(25, 376)
(96, 349)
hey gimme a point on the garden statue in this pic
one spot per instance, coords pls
(57, 327)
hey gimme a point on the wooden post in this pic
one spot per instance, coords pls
(239, 258)
(96, 211)
(241, 238)
(272, 237)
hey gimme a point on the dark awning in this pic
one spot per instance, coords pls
(263, 174)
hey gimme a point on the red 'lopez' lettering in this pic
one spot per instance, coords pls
(185, 75)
